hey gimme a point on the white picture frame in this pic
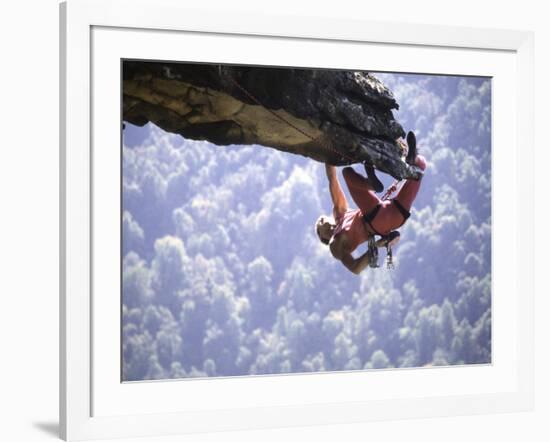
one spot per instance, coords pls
(93, 402)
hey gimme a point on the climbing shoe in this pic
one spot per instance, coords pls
(374, 182)
(411, 142)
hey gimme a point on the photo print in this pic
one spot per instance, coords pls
(282, 220)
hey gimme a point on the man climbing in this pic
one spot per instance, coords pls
(348, 228)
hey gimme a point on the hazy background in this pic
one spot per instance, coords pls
(223, 274)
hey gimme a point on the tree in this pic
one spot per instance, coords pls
(136, 281)
(427, 333)
(378, 360)
(259, 290)
(170, 269)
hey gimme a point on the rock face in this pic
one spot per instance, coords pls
(338, 117)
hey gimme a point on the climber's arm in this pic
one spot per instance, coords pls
(341, 253)
(340, 204)
(356, 265)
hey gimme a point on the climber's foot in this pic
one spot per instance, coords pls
(374, 182)
(411, 142)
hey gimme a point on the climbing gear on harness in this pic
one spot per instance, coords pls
(372, 253)
(388, 240)
(373, 180)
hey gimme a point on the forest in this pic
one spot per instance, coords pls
(223, 274)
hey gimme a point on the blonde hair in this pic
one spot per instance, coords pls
(330, 219)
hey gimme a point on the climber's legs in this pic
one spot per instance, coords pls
(360, 190)
(388, 217)
(373, 180)
(410, 189)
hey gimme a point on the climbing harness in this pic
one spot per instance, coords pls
(386, 240)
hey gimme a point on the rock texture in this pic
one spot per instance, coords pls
(339, 117)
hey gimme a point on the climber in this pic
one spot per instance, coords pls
(348, 228)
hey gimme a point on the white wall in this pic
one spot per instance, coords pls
(29, 203)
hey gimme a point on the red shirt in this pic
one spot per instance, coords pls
(352, 223)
